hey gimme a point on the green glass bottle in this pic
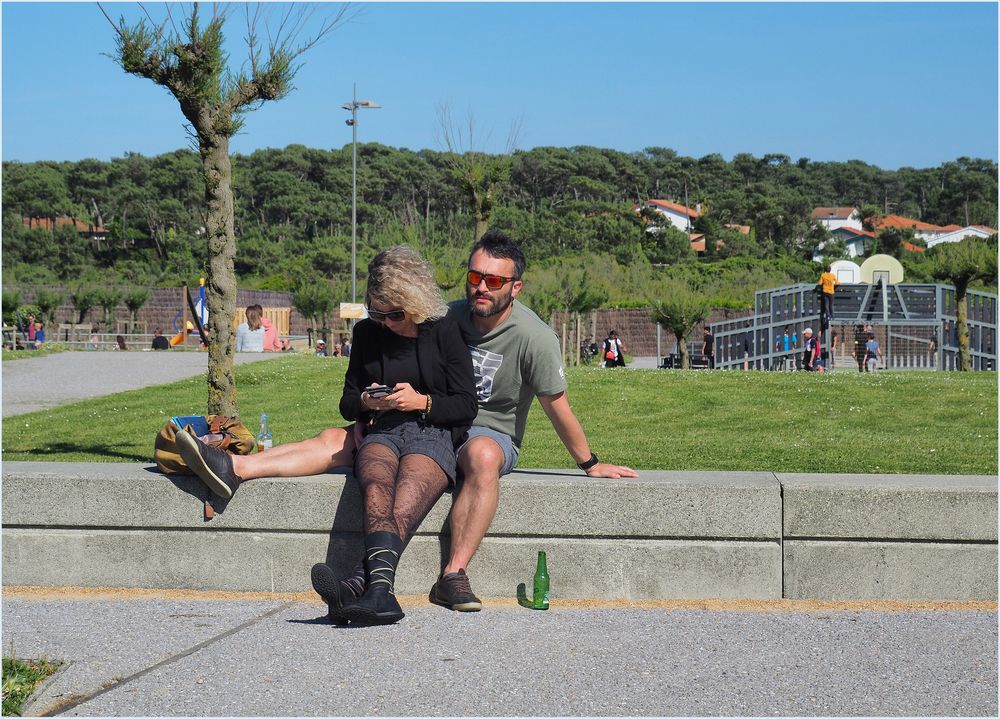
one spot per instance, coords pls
(541, 596)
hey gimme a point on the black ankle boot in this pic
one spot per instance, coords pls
(335, 592)
(378, 605)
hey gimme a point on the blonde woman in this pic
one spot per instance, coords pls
(250, 334)
(407, 458)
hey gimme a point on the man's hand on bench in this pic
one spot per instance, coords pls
(611, 471)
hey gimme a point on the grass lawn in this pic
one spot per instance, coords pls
(903, 422)
(20, 679)
(49, 348)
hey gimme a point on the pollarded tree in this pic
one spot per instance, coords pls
(135, 298)
(679, 309)
(84, 299)
(962, 263)
(48, 302)
(109, 298)
(191, 64)
(481, 177)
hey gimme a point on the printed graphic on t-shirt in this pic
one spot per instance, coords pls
(484, 366)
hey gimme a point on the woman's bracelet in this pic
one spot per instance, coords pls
(427, 409)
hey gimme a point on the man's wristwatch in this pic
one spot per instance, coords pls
(589, 463)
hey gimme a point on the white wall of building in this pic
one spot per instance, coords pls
(678, 220)
(832, 223)
(956, 236)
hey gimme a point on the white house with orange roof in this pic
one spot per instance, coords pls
(923, 230)
(680, 216)
(833, 218)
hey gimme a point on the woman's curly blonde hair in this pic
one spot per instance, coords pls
(400, 277)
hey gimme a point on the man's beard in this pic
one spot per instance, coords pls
(499, 302)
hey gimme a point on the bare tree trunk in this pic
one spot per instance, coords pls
(97, 213)
(579, 342)
(220, 292)
(564, 335)
(682, 350)
(962, 327)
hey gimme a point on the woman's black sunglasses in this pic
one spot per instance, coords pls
(394, 315)
(493, 282)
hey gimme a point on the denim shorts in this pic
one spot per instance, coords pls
(510, 452)
(411, 437)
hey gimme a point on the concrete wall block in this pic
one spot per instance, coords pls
(890, 570)
(739, 505)
(257, 561)
(890, 507)
(631, 568)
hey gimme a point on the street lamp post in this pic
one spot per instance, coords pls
(353, 106)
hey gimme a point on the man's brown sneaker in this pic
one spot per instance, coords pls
(453, 591)
(213, 466)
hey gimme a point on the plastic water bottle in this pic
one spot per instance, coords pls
(541, 595)
(264, 441)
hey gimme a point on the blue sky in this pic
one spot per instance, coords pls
(893, 84)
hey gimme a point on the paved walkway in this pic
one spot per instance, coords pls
(36, 383)
(143, 654)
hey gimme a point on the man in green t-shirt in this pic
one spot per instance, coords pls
(516, 357)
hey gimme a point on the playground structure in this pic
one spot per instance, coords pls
(915, 325)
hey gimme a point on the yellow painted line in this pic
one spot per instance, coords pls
(714, 605)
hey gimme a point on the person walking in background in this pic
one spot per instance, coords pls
(784, 345)
(250, 334)
(29, 331)
(828, 284)
(872, 352)
(614, 351)
(345, 348)
(708, 348)
(810, 349)
(858, 353)
(159, 341)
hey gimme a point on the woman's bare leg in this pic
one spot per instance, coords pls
(329, 449)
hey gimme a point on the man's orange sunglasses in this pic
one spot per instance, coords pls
(493, 282)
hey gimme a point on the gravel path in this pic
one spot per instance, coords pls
(169, 656)
(44, 382)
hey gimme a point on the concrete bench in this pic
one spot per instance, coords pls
(683, 535)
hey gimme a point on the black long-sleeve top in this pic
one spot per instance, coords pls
(444, 366)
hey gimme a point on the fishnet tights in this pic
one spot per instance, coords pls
(397, 493)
